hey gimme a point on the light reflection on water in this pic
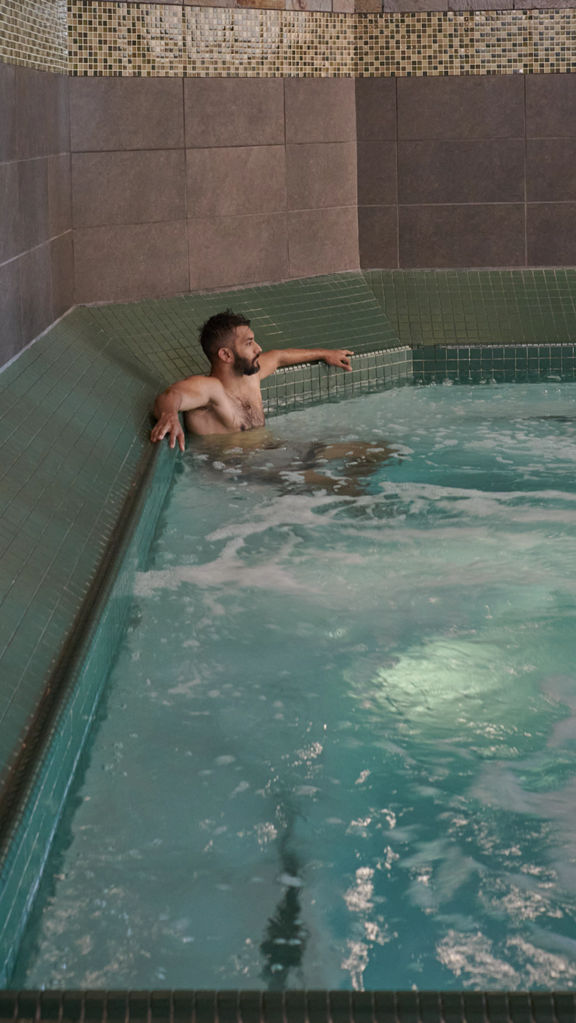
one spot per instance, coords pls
(340, 745)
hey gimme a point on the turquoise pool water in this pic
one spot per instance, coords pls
(339, 744)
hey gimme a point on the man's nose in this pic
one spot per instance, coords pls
(259, 352)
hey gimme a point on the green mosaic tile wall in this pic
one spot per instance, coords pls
(484, 364)
(478, 307)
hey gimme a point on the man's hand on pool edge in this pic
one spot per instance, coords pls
(169, 424)
(339, 357)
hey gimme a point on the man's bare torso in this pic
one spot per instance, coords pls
(234, 412)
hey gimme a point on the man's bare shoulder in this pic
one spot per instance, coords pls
(200, 385)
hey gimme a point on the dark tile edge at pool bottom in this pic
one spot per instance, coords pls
(474, 364)
(287, 1007)
(39, 807)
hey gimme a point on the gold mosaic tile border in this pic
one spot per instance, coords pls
(33, 33)
(150, 39)
(165, 39)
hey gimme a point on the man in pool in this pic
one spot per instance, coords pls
(228, 399)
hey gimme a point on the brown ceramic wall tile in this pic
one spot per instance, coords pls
(551, 234)
(36, 291)
(550, 106)
(11, 232)
(343, 6)
(59, 194)
(234, 112)
(321, 174)
(458, 172)
(378, 236)
(141, 186)
(277, 5)
(62, 271)
(322, 241)
(33, 202)
(462, 236)
(40, 109)
(482, 5)
(461, 107)
(377, 173)
(237, 250)
(550, 174)
(415, 5)
(8, 120)
(535, 5)
(320, 110)
(25, 206)
(129, 262)
(10, 311)
(375, 109)
(125, 113)
(307, 5)
(235, 181)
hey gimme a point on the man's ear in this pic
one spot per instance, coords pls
(226, 354)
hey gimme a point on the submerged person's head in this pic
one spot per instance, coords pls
(228, 337)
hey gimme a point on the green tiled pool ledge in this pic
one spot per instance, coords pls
(30, 830)
(310, 384)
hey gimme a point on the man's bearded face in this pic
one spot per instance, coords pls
(246, 366)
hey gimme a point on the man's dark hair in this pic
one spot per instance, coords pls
(215, 333)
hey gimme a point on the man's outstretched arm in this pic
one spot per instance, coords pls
(281, 357)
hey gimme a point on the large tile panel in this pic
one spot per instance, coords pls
(36, 291)
(375, 109)
(141, 186)
(550, 105)
(10, 313)
(234, 112)
(33, 202)
(8, 120)
(480, 107)
(551, 234)
(225, 251)
(40, 109)
(322, 241)
(10, 234)
(462, 236)
(130, 261)
(377, 173)
(62, 272)
(461, 171)
(125, 113)
(59, 194)
(550, 164)
(320, 110)
(378, 236)
(237, 180)
(321, 174)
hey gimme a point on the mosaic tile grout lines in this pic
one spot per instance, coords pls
(144, 39)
